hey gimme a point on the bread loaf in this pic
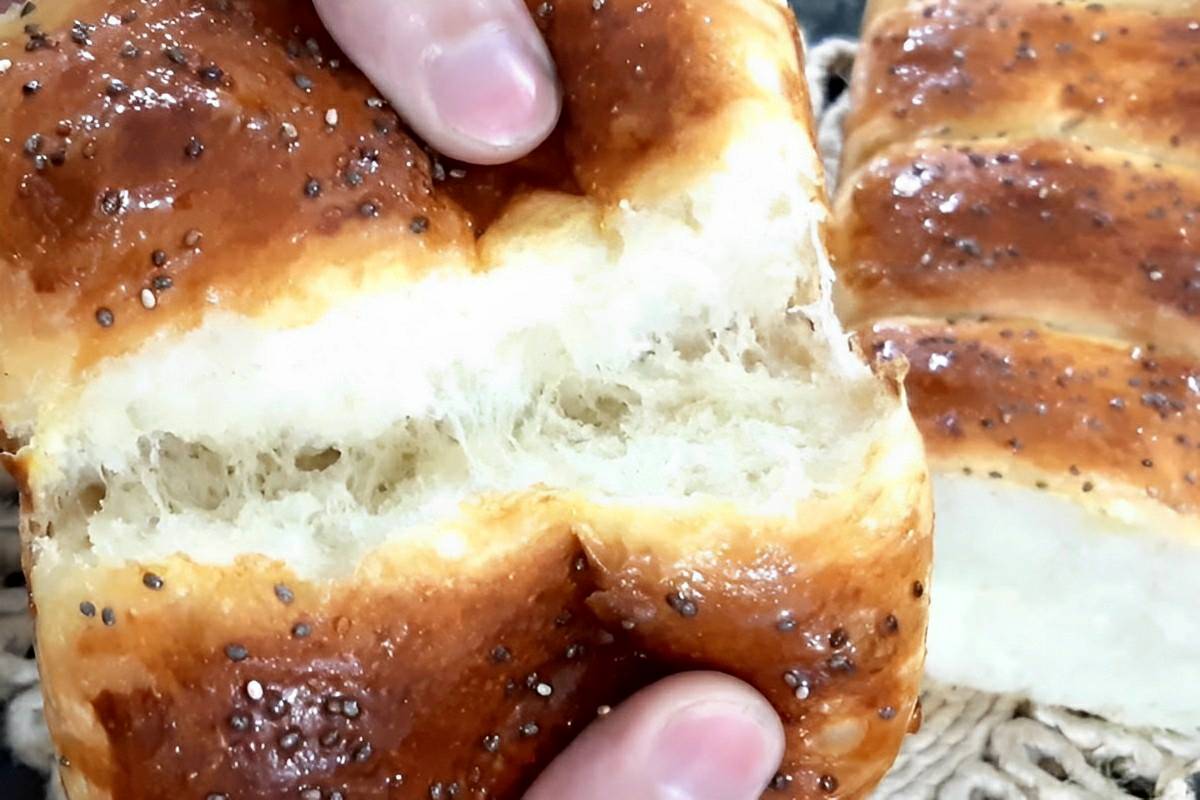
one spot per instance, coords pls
(348, 471)
(1020, 217)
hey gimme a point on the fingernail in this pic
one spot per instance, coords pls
(713, 752)
(495, 87)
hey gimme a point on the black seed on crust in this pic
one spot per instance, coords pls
(112, 202)
(683, 606)
(838, 638)
(840, 662)
(290, 739)
(211, 73)
(275, 705)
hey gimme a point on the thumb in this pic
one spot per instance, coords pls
(473, 77)
(700, 736)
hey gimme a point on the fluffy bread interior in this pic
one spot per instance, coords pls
(1037, 594)
(669, 352)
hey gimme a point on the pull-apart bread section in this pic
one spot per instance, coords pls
(1020, 217)
(350, 471)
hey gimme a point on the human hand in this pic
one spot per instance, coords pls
(473, 77)
(698, 736)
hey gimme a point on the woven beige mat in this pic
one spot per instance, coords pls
(972, 746)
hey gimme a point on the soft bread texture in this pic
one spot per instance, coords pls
(349, 470)
(1067, 485)
(1019, 220)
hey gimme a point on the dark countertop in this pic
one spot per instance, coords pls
(821, 18)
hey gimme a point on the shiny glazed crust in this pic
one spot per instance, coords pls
(1096, 241)
(403, 678)
(1120, 75)
(423, 673)
(1018, 218)
(1084, 417)
(1033, 165)
(131, 135)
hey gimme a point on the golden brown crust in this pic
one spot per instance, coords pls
(1094, 241)
(1034, 162)
(120, 172)
(1074, 410)
(1122, 75)
(590, 604)
(1018, 219)
(147, 666)
(124, 171)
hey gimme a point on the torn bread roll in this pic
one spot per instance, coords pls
(351, 472)
(1020, 218)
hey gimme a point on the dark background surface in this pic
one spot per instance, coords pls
(820, 18)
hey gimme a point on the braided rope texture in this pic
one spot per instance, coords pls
(972, 746)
